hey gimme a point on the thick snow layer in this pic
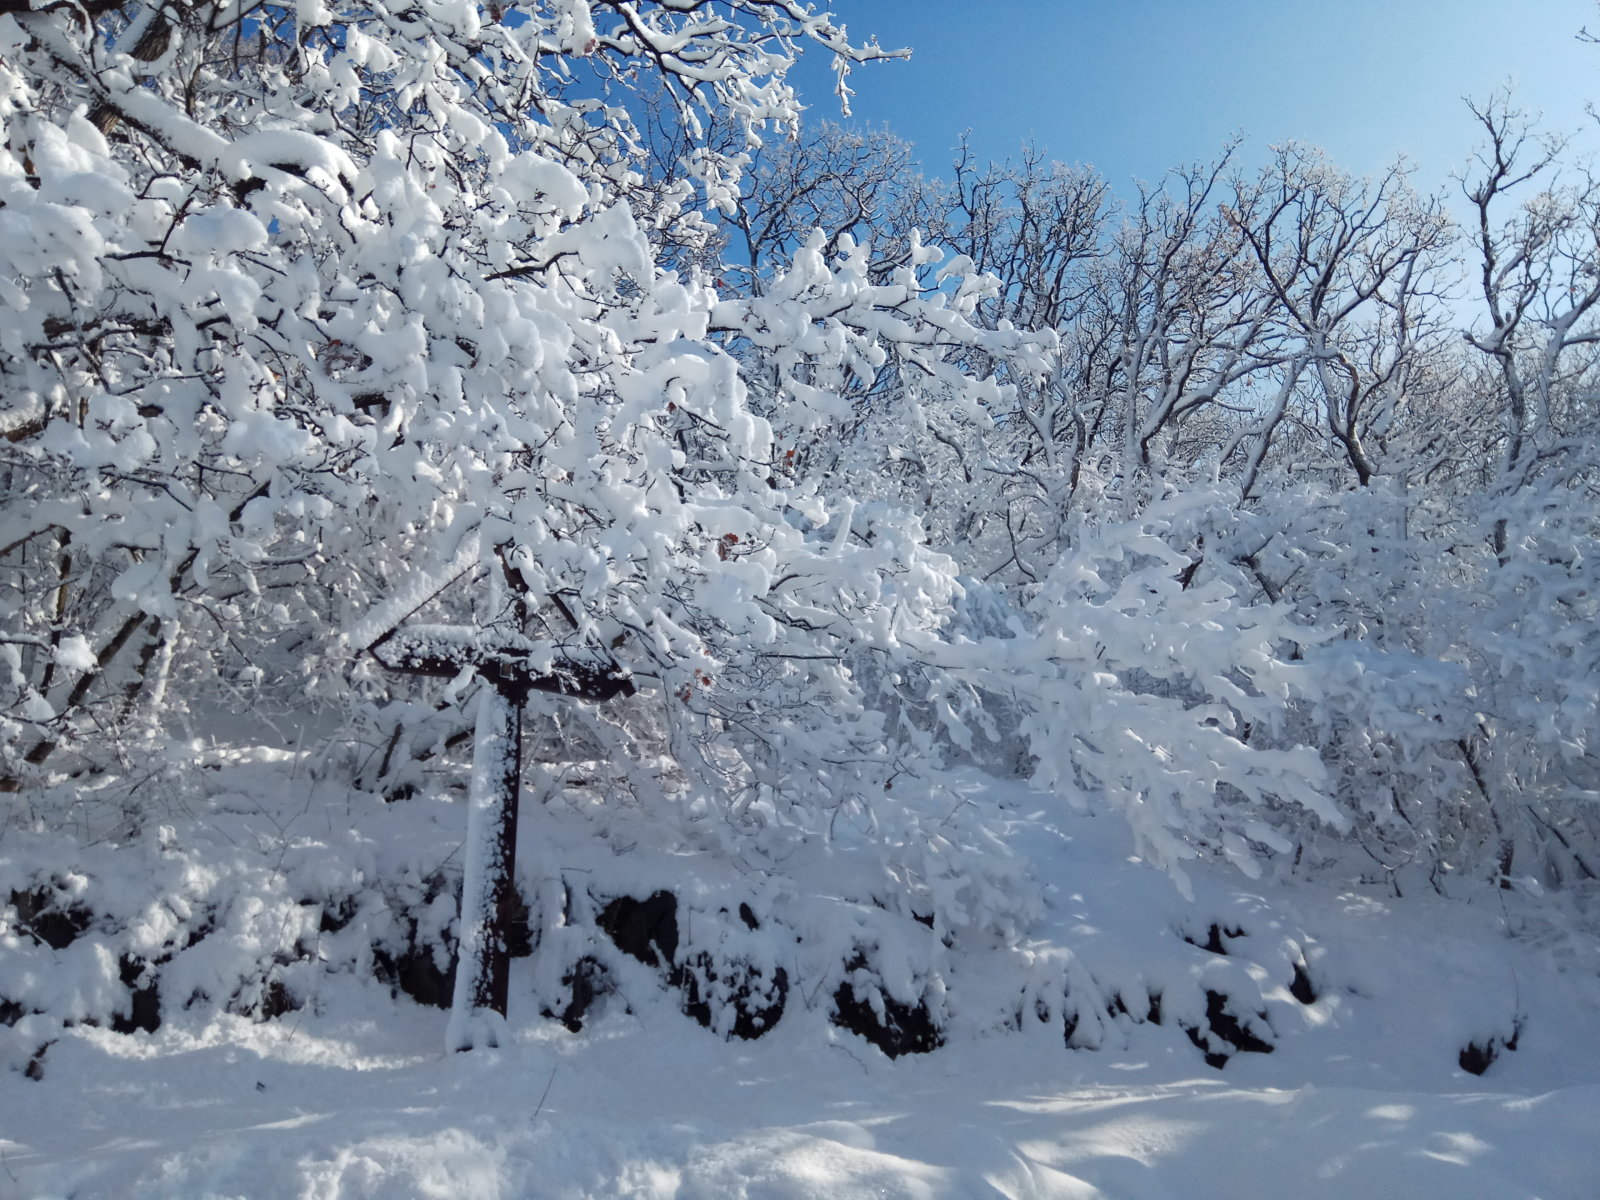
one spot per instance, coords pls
(349, 1095)
(647, 1106)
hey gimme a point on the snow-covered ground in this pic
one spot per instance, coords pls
(653, 1107)
(351, 1095)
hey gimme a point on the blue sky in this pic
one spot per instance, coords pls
(1136, 86)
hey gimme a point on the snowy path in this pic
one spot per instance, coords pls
(277, 1113)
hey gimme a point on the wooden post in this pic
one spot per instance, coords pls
(488, 882)
(488, 886)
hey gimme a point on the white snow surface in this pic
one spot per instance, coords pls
(350, 1096)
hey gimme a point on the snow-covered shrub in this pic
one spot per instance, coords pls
(1150, 693)
(1453, 705)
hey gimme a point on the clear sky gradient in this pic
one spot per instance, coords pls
(1136, 86)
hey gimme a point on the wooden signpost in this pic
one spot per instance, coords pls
(504, 660)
